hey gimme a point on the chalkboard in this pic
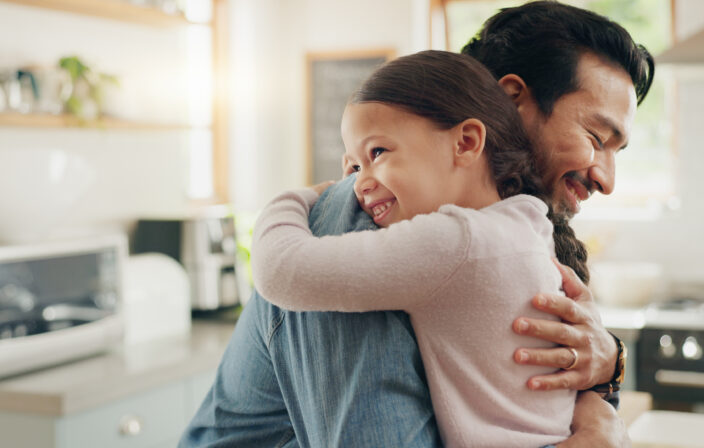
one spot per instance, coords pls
(332, 79)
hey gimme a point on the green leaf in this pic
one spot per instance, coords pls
(74, 66)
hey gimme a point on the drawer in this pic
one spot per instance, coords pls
(142, 421)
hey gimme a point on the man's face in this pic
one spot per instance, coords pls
(577, 143)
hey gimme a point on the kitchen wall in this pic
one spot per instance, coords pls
(268, 118)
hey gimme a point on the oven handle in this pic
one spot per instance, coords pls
(679, 378)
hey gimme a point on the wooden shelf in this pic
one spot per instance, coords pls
(124, 11)
(120, 10)
(68, 121)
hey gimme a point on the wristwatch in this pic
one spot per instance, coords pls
(619, 373)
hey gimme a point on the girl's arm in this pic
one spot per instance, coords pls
(386, 269)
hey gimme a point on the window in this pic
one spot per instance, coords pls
(645, 172)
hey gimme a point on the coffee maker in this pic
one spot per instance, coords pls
(205, 244)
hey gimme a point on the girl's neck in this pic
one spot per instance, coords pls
(479, 187)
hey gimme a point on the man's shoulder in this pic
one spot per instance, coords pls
(337, 211)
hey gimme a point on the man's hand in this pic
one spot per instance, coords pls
(580, 329)
(595, 423)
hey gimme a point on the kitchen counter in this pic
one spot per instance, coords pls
(668, 429)
(625, 323)
(74, 387)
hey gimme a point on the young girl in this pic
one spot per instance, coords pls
(441, 159)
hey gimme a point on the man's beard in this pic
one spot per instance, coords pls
(562, 207)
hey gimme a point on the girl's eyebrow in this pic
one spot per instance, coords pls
(370, 137)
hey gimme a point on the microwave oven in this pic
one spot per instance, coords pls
(59, 301)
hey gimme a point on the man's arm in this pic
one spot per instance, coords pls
(595, 423)
(581, 329)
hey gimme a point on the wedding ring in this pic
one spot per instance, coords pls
(574, 361)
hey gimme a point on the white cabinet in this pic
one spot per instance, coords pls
(196, 389)
(152, 419)
(139, 396)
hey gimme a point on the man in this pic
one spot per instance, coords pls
(356, 380)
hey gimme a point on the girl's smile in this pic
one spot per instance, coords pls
(380, 209)
(402, 169)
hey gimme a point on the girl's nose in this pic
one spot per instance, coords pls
(364, 184)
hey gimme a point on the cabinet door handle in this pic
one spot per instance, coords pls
(679, 378)
(131, 425)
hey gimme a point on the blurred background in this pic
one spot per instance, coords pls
(168, 124)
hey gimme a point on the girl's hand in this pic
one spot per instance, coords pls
(321, 187)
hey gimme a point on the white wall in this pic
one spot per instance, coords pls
(689, 17)
(270, 39)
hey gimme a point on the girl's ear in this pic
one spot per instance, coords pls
(469, 146)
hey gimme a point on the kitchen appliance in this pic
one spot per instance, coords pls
(59, 301)
(670, 360)
(157, 298)
(205, 244)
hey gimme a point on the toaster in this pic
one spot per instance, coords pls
(204, 242)
(59, 301)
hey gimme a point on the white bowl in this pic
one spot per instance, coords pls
(626, 284)
(40, 188)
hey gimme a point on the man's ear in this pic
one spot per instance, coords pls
(469, 146)
(521, 95)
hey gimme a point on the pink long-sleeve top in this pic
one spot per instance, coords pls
(463, 276)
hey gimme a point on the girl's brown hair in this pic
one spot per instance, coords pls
(448, 88)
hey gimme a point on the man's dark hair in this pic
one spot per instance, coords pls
(542, 42)
(447, 88)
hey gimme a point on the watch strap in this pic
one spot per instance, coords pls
(619, 371)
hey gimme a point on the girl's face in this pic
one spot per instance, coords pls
(404, 163)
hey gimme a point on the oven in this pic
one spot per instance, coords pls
(670, 358)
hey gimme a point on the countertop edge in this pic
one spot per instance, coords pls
(84, 384)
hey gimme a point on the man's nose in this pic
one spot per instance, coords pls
(602, 173)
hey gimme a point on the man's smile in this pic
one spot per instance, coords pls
(578, 190)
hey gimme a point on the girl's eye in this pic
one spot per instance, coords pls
(376, 152)
(355, 168)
